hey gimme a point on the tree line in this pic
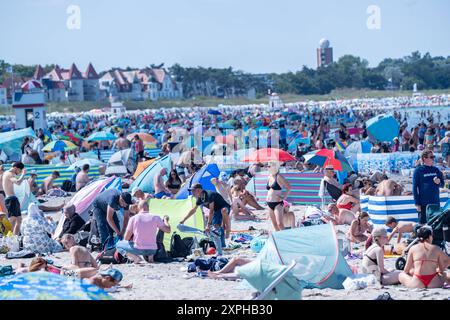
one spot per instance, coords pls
(347, 72)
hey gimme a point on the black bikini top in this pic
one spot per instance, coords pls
(275, 185)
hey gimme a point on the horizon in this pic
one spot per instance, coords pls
(238, 34)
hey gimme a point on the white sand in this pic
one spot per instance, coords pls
(167, 282)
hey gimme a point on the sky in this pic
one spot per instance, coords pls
(257, 36)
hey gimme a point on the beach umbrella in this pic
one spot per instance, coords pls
(295, 117)
(59, 145)
(226, 126)
(214, 112)
(48, 286)
(82, 162)
(325, 157)
(145, 137)
(358, 147)
(231, 122)
(383, 128)
(83, 120)
(269, 155)
(30, 85)
(101, 136)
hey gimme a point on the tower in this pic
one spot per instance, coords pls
(324, 53)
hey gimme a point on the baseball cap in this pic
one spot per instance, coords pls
(379, 232)
(196, 186)
(126, 196)
(113, 273)
(133, 192)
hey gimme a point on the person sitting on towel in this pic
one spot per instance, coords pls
(347, 200)
(72, 223)
(360, 228)
(373, 260)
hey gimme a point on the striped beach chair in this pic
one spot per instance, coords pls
(401, 208)
(305, 187)
(43, 171)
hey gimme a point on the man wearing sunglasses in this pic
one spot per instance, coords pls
(426, 182)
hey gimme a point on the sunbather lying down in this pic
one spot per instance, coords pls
(227, 272)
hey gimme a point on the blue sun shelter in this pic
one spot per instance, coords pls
(382, 128)
(203, 176)
(319, 263)
(145, 180)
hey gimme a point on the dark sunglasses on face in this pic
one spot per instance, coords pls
(431, 157)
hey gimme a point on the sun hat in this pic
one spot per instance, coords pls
(113, 273)
(379, 232)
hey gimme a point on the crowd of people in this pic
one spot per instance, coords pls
(124, 221)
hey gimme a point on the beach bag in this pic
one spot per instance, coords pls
(68, 186)
(205, 244)
(179, 248)
(111, 256)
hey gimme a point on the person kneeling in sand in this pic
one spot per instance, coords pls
(288, 216)
(340, 216)
(399, 227)
(142, 228)
(373, 260)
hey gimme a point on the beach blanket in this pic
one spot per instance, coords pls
(305, 187)
(43, 171)
(401, 208)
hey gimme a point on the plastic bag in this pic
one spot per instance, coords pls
(11, 242)
(360, 281)
(257, 244)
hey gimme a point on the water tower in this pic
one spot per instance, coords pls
(324, 53)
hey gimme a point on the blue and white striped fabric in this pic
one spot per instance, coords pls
(105, 155)
(401, 208)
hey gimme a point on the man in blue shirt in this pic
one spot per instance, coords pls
(283, 137)
(426, 182)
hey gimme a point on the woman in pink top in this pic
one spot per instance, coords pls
(140, 236)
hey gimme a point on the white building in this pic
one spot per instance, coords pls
(3, 99)
(29, 106)
(141, 84)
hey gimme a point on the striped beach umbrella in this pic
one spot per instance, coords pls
(59, 145)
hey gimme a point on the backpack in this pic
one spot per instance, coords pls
(161, 254)
(205, 244)
(180, 248)
(67, 186)
(111, 255)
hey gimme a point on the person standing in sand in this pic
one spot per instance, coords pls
(12, 203)
(121, 143)
(82, 178)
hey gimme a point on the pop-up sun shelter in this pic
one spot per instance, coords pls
(319, 263)
(177, 210)
(145, 180)
(203, 176)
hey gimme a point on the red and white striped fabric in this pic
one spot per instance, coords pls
(30, 85)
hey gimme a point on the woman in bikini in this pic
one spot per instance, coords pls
(360, 228)
(426, 263)
(275, 185)
(174, 182)
(373, 260)
(347, 200)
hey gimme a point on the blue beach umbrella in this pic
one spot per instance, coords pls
(101, 136)
(383, 128)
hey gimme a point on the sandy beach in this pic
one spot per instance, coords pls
(171, 281)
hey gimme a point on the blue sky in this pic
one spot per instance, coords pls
(251, 35)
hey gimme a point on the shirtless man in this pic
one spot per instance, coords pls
(47, 185)
(389, 188)
(82, 178)
(121, 143)
(399, 227)
(160, 188)
(11, 202)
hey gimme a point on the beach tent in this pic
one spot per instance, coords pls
(316, 251)
(141, 167)
(203, 176)
(145, 180)
(177, 210)
(11, 141)
(121, 161)
(48, 286)
(383, 128)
